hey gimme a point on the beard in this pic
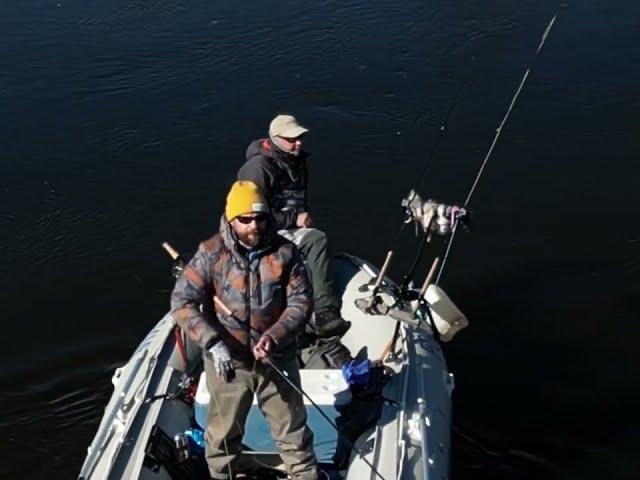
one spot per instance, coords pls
(295, 151)
(251, 239)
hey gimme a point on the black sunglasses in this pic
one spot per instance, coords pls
(261, 217)
(292, 140)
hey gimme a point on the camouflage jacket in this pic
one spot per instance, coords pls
(270, 293)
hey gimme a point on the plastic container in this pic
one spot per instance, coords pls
(447, 317)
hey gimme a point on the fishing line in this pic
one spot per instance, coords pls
(300, 391)
(423, 175)
(238, 425)
(224, 439)
(441, 132)
(443, 127)
(408, 276)
(493, 144)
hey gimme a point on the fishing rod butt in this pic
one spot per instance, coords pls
(383, 270)
(173, 253)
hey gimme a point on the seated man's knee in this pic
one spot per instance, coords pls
(315, 237)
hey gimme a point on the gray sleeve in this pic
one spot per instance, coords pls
(254, 170)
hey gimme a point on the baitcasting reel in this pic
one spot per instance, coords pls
(432, 216)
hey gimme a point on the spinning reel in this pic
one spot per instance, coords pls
(433, 217)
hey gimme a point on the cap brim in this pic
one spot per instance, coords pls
(293, 132)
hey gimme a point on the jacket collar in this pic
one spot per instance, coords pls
(269, 149)
(232, 243)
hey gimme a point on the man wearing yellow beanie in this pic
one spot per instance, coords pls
(261, 278)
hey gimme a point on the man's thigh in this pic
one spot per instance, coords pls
(302, 236)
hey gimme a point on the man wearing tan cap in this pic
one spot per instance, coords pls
(278, 166)
(260, 277)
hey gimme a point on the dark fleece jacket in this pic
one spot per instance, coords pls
(278, 175)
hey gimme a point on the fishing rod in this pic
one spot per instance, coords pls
(300, 391)
(440, 218)
(543, 39)
(228, 312)
(441, 131)
(178, 267)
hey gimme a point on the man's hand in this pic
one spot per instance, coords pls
(263, 347)
(222, 362)
(304, 220)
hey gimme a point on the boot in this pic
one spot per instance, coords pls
(329, 323)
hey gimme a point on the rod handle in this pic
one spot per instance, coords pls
(429, 280)
(226, 310)
(389, 345)
(170, 250)
(383, 270)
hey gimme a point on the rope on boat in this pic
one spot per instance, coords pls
(493, 144)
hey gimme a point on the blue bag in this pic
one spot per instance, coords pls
(357, 372)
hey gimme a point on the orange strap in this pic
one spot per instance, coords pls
(177, 333)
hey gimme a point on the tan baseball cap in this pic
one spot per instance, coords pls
(286, 126)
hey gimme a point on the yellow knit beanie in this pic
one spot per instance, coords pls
(244, 197)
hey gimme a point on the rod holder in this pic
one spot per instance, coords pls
(427, 281)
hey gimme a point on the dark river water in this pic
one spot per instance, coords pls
(123, 124)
